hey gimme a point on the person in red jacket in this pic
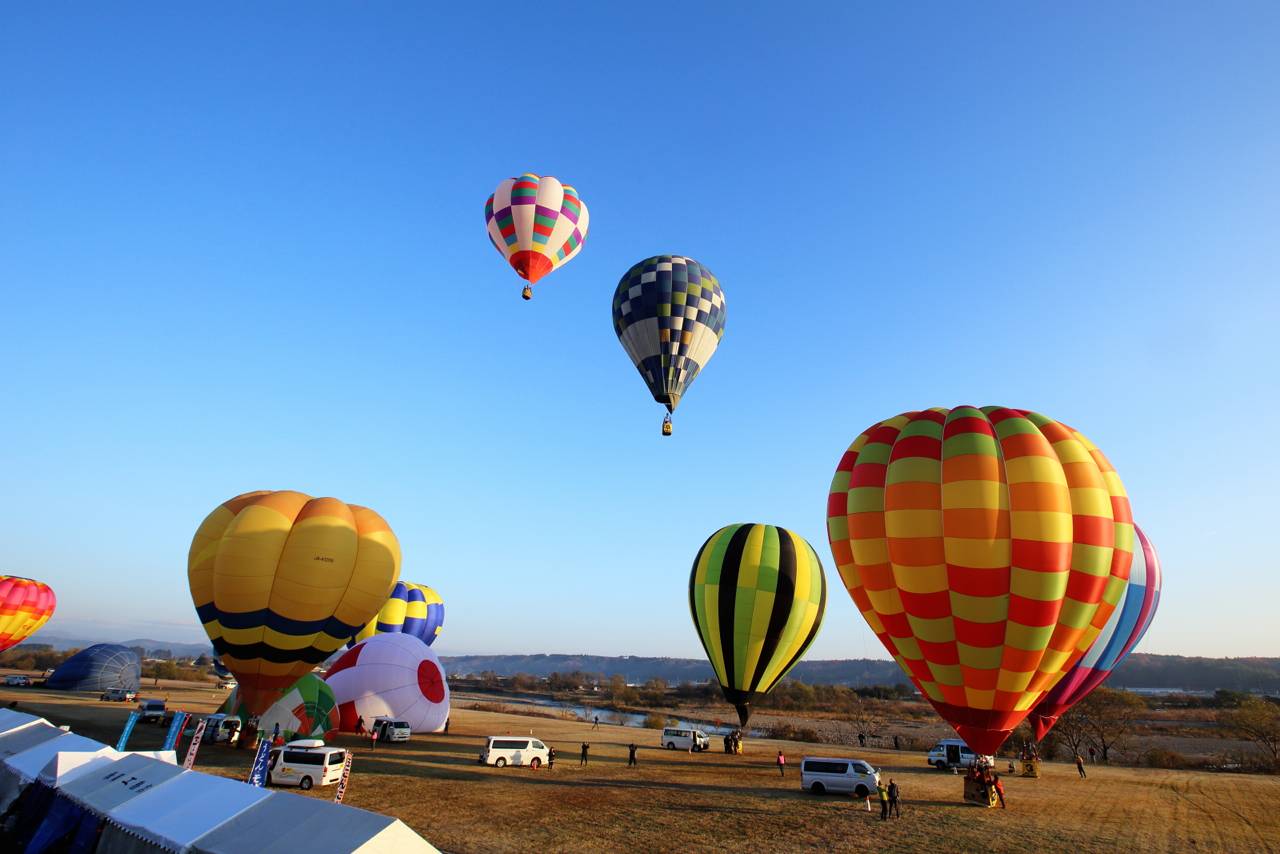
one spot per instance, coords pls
(999, 790)
(782, 764)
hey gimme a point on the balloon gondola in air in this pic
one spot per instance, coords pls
(757, 594)
(281, 580)
(669, 315)
(537, 224)
(986, 548)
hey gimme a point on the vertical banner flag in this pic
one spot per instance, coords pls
(128, 730)
(258, 774)
(195, 745)
(342, 784)
(175, 730)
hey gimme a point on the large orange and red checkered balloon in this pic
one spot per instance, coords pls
(25, 606)
(986, 548)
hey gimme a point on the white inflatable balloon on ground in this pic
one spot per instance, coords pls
(391, 675)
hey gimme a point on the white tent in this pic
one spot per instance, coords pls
(105, 788)
(11, 720)
(22, 738)
(176, 813)
(64, 767)
(287, 823)
(21, 768)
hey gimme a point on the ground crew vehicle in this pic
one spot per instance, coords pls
(305, 763)
(500, 750)
(821, 774)
(680, 738)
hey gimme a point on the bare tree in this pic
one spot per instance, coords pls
(1258, 721)
(1072, 730)
(867, 719)
(1109, 717)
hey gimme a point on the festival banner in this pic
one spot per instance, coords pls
(342, 784)
(258, 774)
(175, 730)
(190, 761)
(128, 730)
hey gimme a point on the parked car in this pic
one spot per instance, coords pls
(17, 681)
(119, 695)
(500, 750)
(821, 774)
(389, 729)
(678, 738)
(954, 753)
(152, 711)
(221, 729)
(305, 763)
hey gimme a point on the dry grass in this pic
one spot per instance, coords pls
(713, 802)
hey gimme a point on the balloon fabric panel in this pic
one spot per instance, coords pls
(25, 606)
(983, 547)
(757, 596)
(412, 609)
(536, 223)
(669, 314)
(280, 580)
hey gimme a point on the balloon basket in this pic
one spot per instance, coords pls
(1030, 768)
(666, 426)
(527, 293)
(979, 793)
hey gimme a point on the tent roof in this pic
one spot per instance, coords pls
(176, 813)
(65, 766)
(287, 823)
(29, 763)
(24, 738)
(11, 720)
(105, 788)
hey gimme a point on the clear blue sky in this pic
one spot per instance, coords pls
(246, 250)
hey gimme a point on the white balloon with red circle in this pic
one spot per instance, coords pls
(391, 675)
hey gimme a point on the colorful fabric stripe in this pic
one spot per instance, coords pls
(25, 606)
(412, 609)
(978, 544)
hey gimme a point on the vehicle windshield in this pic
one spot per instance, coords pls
(401, 724)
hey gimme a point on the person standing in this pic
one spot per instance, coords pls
(631, 754)
(551, 758)
(893, 798)
(1093, 755)
(595, 722)
(862, 739)
(585, 747)
(446, 726)
(782, 764)
(999, 790)
(360, 725)
(883, 794)
(1080, 766)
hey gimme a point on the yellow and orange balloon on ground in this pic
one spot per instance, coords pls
(281, 580)
(986, 548)
(25, 606)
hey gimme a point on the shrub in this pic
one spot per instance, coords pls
(653, 720)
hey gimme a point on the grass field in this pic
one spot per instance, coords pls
(714, 802)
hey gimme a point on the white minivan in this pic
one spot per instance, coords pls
(305, 763)
(821, 774)
(390, 729)
(954, 753)
(500, 750)
(678, 738)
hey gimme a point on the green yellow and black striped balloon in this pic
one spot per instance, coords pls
(756, 594)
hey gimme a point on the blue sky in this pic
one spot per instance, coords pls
(246, 250)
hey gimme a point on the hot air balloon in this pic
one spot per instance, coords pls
(25, 606)
(412, 609)
(307, 710)
(985, 548)
(281, 580)
(98, 668)
(668, 312)
(756, 594)
(1119, 636)
(537, 224)
(393, 676)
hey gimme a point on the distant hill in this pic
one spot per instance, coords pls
(177, 648)
(1140, 670)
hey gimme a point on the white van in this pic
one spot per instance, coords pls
(305, 763)
(500, 750)
(389, 729)
(221, 729)
(954, 753)
(677, 738)
(820, 774)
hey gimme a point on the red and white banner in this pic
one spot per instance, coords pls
(342, 784)
(195, 745)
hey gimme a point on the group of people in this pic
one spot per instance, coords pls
(987, 780)
(733, 742)
(888, 800)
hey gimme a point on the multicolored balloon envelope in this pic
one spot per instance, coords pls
(25, 606)
(986, 548)
(756, 594)
(307, 710)
(281, 580)
(537, 224)
(669, 313)
(1119, 636)
(412, 609)
(395, 676)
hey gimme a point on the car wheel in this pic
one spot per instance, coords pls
(862, 791)
(940, 765)
(305, 784)
(535, 764)
(671, 745)
(500, 762)
(818, 789)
